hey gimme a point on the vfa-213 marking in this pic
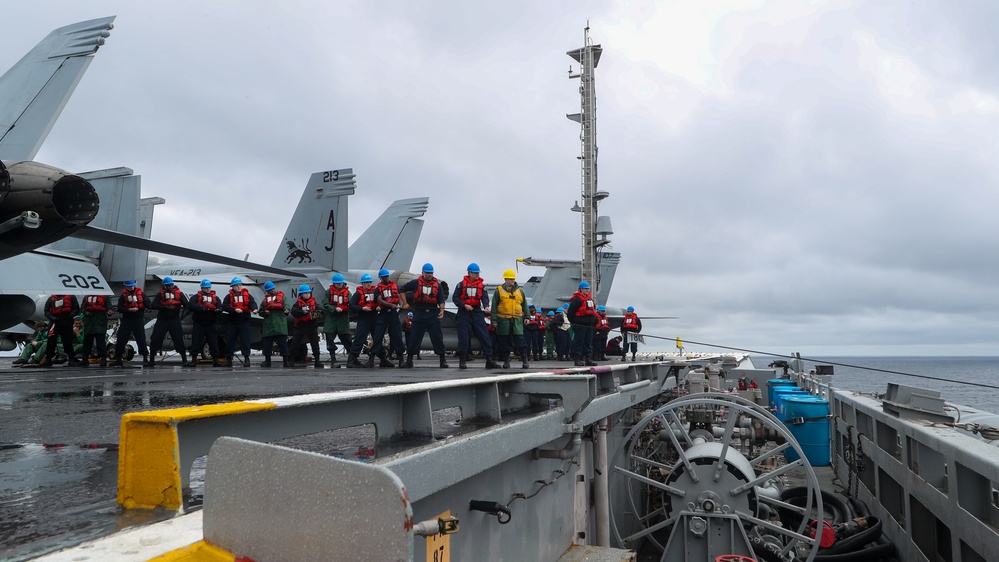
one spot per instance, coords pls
(342, 177)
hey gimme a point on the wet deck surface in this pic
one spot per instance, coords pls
(59, 431)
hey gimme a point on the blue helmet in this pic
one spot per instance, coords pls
(337, 278)
(304, 289)
(268, 285)
(530, 306)
(631, 309)
(383, 272)
(473, 267)
(236, 281)
(601, 308)
(428, 268)
(168, 280)
(206, 284)
(130, 283)
(584, 285)
(551, 313)
(366, 278)
(409, 314)
(565, 306)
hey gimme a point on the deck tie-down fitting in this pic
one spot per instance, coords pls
(492, 508)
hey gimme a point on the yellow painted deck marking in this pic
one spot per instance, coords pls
(200, 551)
(149, 454)
(439, 546)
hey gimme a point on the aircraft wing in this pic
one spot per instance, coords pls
(35, 90)
(26, 280)
(111, 237)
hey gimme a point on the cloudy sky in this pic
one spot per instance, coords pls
(784, 175)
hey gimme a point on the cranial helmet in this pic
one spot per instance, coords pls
(428, 268)
(304, 289)
(601, 308)
(584, 285)
(236, 281)
(337, 278)
(130, 283)
(366, 278)
(509, 274)
(631, 309)
(168, 280)
(269, 285)
(383, 272)
(206, 284)
(473, 267)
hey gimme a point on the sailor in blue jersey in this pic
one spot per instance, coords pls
(428, 310)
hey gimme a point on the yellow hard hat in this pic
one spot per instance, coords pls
(509, 274)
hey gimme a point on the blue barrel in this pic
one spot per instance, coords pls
(781, 394)
(773, 384)
(813, 434)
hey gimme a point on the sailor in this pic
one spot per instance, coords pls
(614, 347)
(539, 343)
(169, 303)
(531, 330)
(132, 305)
(274, 310)
(387, 297)
(364, 305)
(205, 308)
(550, 329)
(407, 327)
(238, 305)
(428, 310)
(510, 309)
(473, 303)
(34, 345)
(583, 316)
(563, 341)
(306, 313)
(95, 328)
(600, 332)
(631, 324)
(336, 321)
(61, 310)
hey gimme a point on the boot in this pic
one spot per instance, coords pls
(506, 362)
(588, 362)
(409, 361)
(371, 362)
(523, 362)
(318, 363)
(384, 363)
(183, 358)
(267, 362)
(578, 361)
(85, 363)
(624, 358)
(444, 364)
(400, 359)
(461, 363)
(246, 360)
(633, 358)
(147, 362)
(104, 361)
(73, 362)
(352, 361)
(490, 364)
(332, 359)
(287, 362)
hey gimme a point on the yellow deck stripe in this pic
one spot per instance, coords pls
(198, 552)
(149, 454)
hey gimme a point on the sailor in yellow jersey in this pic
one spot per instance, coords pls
(509, 310)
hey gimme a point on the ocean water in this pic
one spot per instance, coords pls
(969, 381)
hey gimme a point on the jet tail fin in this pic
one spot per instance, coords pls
(391, 240)
(35, 90)
(562, 277)
(316, 238)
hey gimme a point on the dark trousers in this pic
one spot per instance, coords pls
(599, 343)
(531, 340)
(64, 331)
(629, 346)
(163, 327)
(200, 331)
(424, 321)
(240, 330)
(582, 340)
(131, 327)
(388, 320)
(99, 338)
(331, 342)
(302, 332)
(268, 345)
(509, 342)
(469, 323)
(563, 344)
(365, 326)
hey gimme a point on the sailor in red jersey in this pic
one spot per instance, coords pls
(583, 316)
(61, 310)
(473, 304)
(631, 324)
(169, 302)
(205, 308)
(132, 306)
